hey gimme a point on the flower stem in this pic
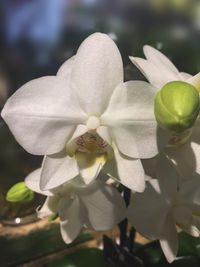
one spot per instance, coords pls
(124, 224)
(131, 239)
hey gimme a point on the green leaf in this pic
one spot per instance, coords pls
(188, 245)
(190, 261)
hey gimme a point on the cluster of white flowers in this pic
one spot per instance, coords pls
(92, 126)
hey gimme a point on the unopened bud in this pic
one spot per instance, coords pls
(19, 193)
(177, 106)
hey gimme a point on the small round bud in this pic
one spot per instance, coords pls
(177, 106)
(19, 193)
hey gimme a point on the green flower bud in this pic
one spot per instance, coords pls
(19, 193)
(177, 106)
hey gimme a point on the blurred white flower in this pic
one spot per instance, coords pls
(86, 118)
(95, 206)
(166, 202)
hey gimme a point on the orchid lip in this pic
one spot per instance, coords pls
(91, 143)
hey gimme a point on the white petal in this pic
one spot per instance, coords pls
(97, 70)
(169, 243)
(103, 132)
(185, 76)
(148, 211)
(195, 228)
(159, 59)
(142, 141)
(157, 76)
(57, 169)
(49, 207)
(130, 114)
(167, 177)
(70, 218)
(66, 68)
(126, 170)
(195, 80)
(90, 165)
(196, 151)
(103, 206)
(42, 115)
(185, 156)
(126, 142)
(182, 215)
(193, 231)
(190, 189)
(179, 156)
(131, 101)
(33, 182)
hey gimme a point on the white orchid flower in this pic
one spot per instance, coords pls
(86, 118)
(159, 70)
(164, 204)
(95, 206)
(183, 148)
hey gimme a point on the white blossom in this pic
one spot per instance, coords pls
(86, 118)
(167, 202)
(95, 206)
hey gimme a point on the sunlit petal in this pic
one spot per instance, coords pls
(130, 115)
(97, 70)
(66, 68)
(43, 114)
(33, 182)
(126, 170)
